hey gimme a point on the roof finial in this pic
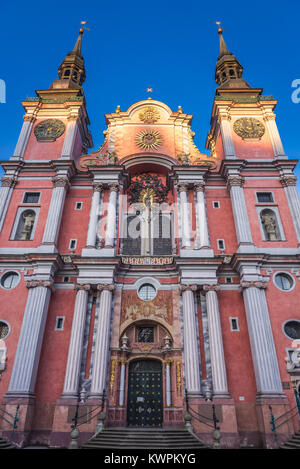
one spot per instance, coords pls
(77, 47)
(223, 47)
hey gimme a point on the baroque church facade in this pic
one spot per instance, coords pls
(146, 277)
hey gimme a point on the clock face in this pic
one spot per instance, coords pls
(248, 128)
(49, 130)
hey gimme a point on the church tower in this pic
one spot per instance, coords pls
(147, 284)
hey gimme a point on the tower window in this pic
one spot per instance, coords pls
(284, 281)
(292, 329)
(10, 280)
(216, 204)
(59, 324)
(4, 330)
(221, 244)
(78, 206)
(147, 292)
(31, 198)
(72, 244)
(263, 197)
(234, 324)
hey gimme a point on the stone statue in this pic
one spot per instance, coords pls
(28, 218)
(269, 224)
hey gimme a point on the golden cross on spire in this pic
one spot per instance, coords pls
(220, 30)
(83, 23)
(149, 90)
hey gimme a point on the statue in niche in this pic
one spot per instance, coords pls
(26, 225)
(269, 224)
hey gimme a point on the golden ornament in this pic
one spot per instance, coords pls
(148, 139)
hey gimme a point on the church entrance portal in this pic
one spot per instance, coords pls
(145, 394)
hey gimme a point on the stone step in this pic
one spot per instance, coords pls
(116, 438)
(5, 445)
(293, 443)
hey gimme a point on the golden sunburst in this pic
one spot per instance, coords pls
(149, 139)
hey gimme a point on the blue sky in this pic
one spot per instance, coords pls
(172, 46)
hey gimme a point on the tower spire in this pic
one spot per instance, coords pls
(71, 71)
(228, 69)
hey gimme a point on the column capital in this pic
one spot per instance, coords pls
(61, 181)
(288, 180)
(105, 286)
(235, 180)
(98, 187)
(199, 186)
(40, 283)
(182, 186)
(113, 187)
(183, 288)
(207, 288)
(8, 181)
(82, 286)
(256, 284)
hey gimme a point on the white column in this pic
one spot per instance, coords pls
(7, 185)
(76, 342)
(102, 341)
(202, 228)
(168, 382)
(24, 372)
(67, 150)
(185, 218)
(218, 368)
(61, 184)
(274, 136)
(226, 134)
(241, 220)
(268, 381)
(291, 192)
(110, 233)
(122, 382)
(23, 137)
(191, 350)
(94, 216)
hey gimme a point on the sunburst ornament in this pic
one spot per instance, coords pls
(149, 139)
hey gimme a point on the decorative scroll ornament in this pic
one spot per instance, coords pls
(147, 189)
(112, 375)
(178, 377)
(255, 284)
(248, 128)
(101, 159)
(149, 139)
(149, 115)
(49, 130)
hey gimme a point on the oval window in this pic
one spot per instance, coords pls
(147, 292)
(292, 329)
(10, 280)
(284, 281)
(4, 330)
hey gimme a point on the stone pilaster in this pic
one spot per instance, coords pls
(60, 187)
(274, 135)
(72, 375)
(94, 216)
(185, 218)
(289, 184)
(202, 227)
(7, 186)
(23, 137)
(101, 354)
(191, 349)
(241, 220)
(24, 372)
(268, 381)
(110, 233)
(122, 382)
(70, 136)
(226, 133)
(219, 377)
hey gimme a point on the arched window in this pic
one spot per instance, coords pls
(270, 225)
(25, 225)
